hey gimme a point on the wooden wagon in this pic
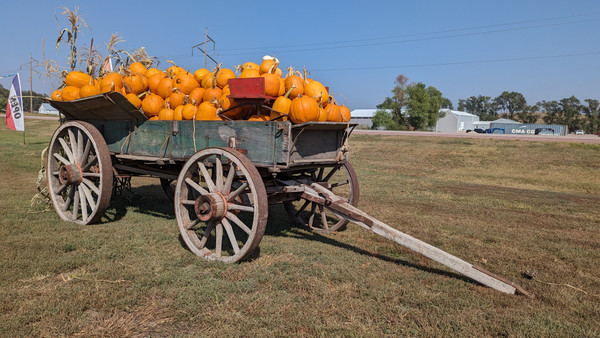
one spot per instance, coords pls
(221, 175)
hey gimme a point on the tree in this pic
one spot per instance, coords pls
(447, 104)
(566, 111)
(552, 111)
(481, 106)
(423, 106)
(592, 113)
(385, 119)
(528, 114)
(397, 101)
(511, 103)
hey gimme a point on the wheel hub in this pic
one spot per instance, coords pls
(70, 174)
(210, 207)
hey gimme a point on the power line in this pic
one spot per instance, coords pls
(414, 40)
(415, 34)
(524, 58)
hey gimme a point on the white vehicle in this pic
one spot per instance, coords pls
(579, 132)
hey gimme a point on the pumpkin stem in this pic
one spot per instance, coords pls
(273, 67)
(305, 75)
(287, 94)
(214, 78)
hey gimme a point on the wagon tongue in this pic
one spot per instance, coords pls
(321, 195)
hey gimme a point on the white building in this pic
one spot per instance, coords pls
(46, 108)
(456, 121)
(363, 117)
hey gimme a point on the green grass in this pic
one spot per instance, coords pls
(509, 206)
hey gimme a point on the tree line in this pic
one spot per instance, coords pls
(38, 99)
(416, 106)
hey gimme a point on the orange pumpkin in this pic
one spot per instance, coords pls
(77, 79)
(189, 111)
(261, 118)
(206, 111)
(56, 95)
(165, 87)
(134, 99)
(152, 104)
(223, 77)
(166, 113)
(196, 95)
(294, 80)
(304, 109)
(186, 83)
(89, 90)
(249, 72)
(177, 113)
(154, 80)
(138, 68)
(111, 82)
(200, 73)
(70, 93)
(153, 71)
(272, 84)
(135, 84)
(176, 99)
(226, 103)
(345, 112)
(212, 94)
(281, 106)
(333, 113)
(317, 91)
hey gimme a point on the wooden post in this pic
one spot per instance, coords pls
(344, 209)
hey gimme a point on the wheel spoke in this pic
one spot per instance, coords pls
(65, 205)
(229, 180)
(75, 210)
(196, 186)
(188, 202)
(73, 141)
(209, 227)
(79, 152)
(219, 174)
(91, 174)
(192, 224)
(89, 197)
(232, 206)
(323, 217)
(320, 175)
(238, 222)
(313, 212)
(67, 150)
(219, 237)
(306, 203)
(206, 175)
(231, 235)
(61, 189)
(90, 163)
(339, 184)
(84, 210)
(86, 153)
(92, 186)
(61, 159)
(330, 174)
(237, 192)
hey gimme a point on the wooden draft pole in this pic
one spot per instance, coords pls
(319, 194)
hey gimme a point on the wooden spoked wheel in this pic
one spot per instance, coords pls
(79, 171)
(221, 205)
(342, 181)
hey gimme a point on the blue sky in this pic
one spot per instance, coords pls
(547, 50)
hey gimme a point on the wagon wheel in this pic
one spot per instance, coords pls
(168, 187)
(343, 182)
(79, 172)
(221, 205)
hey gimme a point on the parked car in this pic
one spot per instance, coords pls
(544, 131)
(579, 132)
(479, 131)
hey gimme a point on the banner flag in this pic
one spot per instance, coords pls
(14, 106)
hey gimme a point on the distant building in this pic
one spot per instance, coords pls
(46, 108)
(487, 124)
(364, 117)
(455, 121)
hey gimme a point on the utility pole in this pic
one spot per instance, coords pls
(204, 44)
(32, 70)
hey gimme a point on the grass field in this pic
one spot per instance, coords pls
(508, 206)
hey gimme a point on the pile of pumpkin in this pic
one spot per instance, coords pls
(176, 94)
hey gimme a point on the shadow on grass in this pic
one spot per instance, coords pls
(280, 226)
(147, 199)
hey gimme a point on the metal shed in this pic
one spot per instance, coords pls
(455, 121)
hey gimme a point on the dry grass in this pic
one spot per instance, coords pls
(509, 206)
